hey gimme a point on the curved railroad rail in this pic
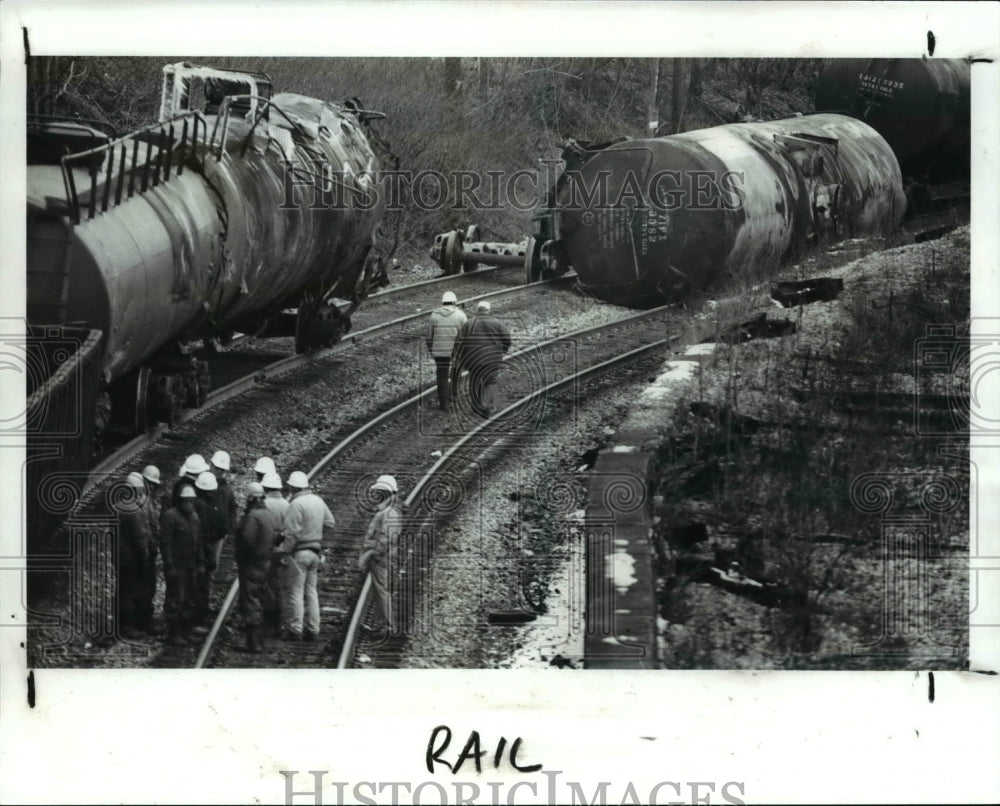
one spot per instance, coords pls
(640, 329)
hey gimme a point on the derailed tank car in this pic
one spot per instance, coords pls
(649, 221)
(234, 206)
(920, 106)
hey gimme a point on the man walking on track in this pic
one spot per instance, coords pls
(380, 544)
(307, 521)
(480, 348)
(442, 328)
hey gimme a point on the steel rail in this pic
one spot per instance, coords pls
(374, 423)
(446, 458)
(218, 396)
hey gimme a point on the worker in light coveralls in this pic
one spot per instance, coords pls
(380, 544)
(442, 329)
(305, 524)
(254, 546)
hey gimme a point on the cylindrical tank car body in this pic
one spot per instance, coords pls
(645, 222)
(176, 236)
(920, 106)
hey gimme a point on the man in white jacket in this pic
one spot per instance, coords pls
(442, 328)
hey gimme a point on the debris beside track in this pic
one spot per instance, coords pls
(767, 462)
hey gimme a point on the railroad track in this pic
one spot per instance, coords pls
(262, 368)
(409, 437)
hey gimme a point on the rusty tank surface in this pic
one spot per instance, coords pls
(644, 222)
(235, 205)
(920, 106)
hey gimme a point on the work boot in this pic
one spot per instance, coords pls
(256, 640)
(309, 637)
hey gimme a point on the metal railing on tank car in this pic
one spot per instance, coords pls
(110, 164)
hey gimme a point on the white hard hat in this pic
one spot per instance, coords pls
(187, 491)
(298, 479)
(265, 465)
(449, 296)
(151, 473)
(206, 481)
(255, 490)
(135, 480)
(221, 460)
(271, 481)
(387, 483)
(483, 306)
(195, 464)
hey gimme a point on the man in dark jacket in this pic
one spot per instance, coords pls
(254, 544)
(224, 496)
(214, 525)
(480, 348)
(180, 547)
(442, 328)
(132, 555)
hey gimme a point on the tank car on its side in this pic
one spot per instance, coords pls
(234, 206)
(920, 106)
(644, 222)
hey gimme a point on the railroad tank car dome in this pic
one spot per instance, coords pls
(648, 221)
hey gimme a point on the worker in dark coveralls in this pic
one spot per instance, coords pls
(442, 329)
(132, 553)
(272, 595)
(307, 521)
(214, 523)
(225, 497)
(254, 545)
(154, 511)
(480, 348)
(193, 467)
(181, 549)
(379, 547)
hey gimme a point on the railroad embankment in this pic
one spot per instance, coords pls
(809, 476)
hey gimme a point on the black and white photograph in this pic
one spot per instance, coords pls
(614, 364)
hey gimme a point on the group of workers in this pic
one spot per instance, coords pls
(279, 540)
(460, 344)
(279, 543)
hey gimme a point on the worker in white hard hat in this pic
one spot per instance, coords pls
(442, 328)
(379, 548)
(225, 498)
(254, 545)
(180, 546)
(480, 348)
(305, 525)
(193, 466)
(131, 557)
(263, 466)
(272, 597)
(214, 526)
